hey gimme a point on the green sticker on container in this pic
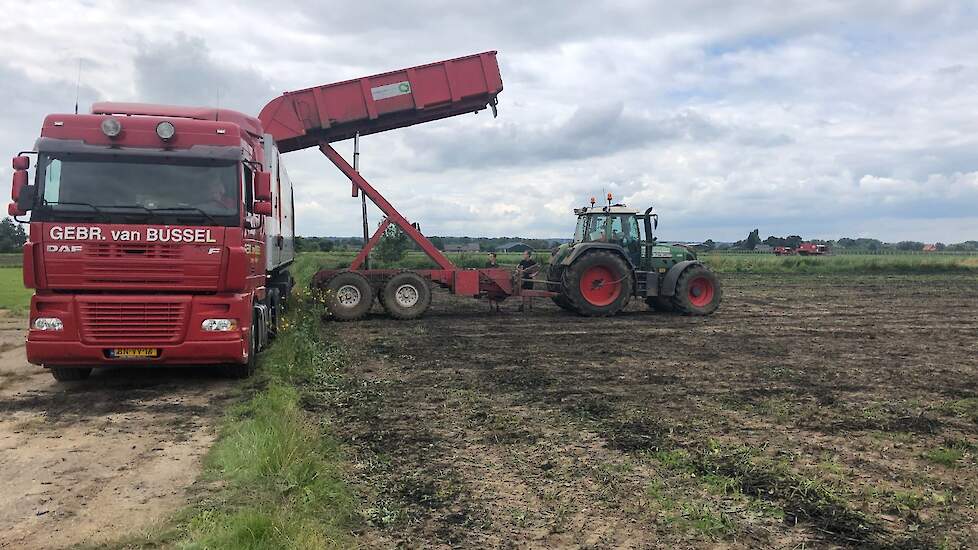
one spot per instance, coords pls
(390, 90)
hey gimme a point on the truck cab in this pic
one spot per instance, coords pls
(158, 235)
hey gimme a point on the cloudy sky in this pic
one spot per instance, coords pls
(825, 119)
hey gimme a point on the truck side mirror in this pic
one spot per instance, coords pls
(18, 184)
(263, 186)
(14, 210)
(263, 208)
(21, 162)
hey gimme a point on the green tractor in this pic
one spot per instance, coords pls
(609, 262)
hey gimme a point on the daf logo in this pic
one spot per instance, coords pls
(63, 248)
(213, 251)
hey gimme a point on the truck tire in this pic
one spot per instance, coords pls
(70, 374)
(349, 296)
(698, 291)
(275, 307)
(556, 284)
(598, 284)
(406, 296)
(244, 370)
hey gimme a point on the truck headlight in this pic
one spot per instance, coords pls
(218, 325)
(111, 127)
(165, 130)
(48, 323)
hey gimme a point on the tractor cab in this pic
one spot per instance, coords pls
(614, 224)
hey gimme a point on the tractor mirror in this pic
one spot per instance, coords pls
(263, 186)
(263, 208)
(18, 184)
(655, 221)
(21, 162)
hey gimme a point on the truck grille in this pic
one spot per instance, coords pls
(134, 250)
(132, 323)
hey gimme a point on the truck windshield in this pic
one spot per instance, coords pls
(114, 189)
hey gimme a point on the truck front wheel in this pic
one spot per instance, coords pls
(70, 374)
(244, 370)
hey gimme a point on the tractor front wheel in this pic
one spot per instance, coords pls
(598, 284)
(698, 291)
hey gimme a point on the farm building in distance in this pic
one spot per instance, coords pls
(513, 247)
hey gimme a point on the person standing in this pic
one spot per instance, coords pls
(491, 261)
(525, 270)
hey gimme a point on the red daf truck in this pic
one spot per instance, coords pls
(158, 235)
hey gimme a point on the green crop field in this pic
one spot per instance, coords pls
(847, 263)
(13, 296)
(11, 260)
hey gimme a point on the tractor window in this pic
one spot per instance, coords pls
(624, 228)
(579, 231)
(596, 228)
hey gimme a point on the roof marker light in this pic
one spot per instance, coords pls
(165, 130)
(221, 131)
(59, 123)
(111, 127)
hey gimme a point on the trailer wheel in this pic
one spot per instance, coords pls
(349, 296)
(698, 291)
(407, 296)
(69, 374)
(598, 284)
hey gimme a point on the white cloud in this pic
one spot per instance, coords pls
(822, 119)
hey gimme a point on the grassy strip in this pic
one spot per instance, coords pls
(13, 296)
(279, 473)
(816, 265)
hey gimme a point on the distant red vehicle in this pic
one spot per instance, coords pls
(812, 249)
(784, 250)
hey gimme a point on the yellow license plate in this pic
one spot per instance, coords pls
(134, 353)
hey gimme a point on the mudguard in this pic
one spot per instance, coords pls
(672, 276)
(581, 248)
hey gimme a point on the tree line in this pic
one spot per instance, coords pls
(844, 243)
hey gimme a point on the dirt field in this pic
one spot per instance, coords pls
(96, 460)
(809, 412)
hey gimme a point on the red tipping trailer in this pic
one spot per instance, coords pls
(372, 104)
(317, 116)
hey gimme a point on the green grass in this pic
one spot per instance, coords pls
(15, 259)
(13, 295)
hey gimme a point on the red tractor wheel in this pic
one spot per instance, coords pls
(598, 284)
(698, 291)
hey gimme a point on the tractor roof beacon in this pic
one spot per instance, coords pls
(615, 256)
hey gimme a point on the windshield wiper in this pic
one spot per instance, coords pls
(94, 208)
(188, 208)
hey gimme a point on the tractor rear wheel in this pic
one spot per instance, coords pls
(555, 284)
(698, 291)
(349, 296)
(598, 284)
(407, 296)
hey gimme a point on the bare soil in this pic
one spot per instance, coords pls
(84, 462)
(810, 411)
